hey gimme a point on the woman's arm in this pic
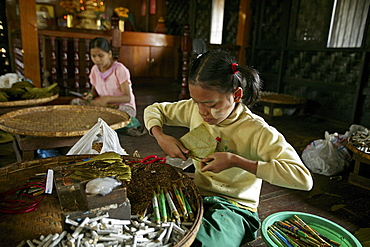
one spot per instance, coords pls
(105, 100)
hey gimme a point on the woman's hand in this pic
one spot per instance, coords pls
(100, 101)
(220, 161)
(88, 96)
(170, 145)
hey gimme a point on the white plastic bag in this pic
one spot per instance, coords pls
(102, 186)
(329, 156)
(100, 132)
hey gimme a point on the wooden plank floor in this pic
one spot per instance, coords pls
(332, 197)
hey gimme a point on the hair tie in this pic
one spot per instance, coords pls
(234, 68)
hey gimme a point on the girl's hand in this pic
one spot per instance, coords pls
(172, 147)
(220, 161)
(216, 162)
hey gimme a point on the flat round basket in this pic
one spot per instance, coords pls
(47, 219)
(354, 149)
(60, 120)
(283, 99)
(28, 102)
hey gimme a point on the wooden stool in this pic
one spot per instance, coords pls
(273, 105)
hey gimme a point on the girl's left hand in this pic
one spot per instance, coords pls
(217, 162)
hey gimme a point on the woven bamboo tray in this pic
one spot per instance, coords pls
(28, 102)
(47, 219)
(60, 120)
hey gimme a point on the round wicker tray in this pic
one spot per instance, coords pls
(283, 99)
(48, 218)
(60, 120)
(28, 102)
(354, 149)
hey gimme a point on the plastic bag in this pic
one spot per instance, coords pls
(102, 186)
(100, 132)
(43, 153)
(329, 156)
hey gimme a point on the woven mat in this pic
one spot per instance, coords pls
(60, 120)
(16, 228)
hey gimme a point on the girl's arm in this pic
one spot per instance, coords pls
(105, 100)
(170, 145)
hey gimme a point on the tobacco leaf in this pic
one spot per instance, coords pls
(199, 142)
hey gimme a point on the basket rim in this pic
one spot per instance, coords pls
(29, 101)
(354, 149)
(125, 120)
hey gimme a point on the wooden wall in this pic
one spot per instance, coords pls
(289, 48)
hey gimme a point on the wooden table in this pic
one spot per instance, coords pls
(357, 176)
(55, 126)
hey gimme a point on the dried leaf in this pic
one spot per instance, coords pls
(200, 142)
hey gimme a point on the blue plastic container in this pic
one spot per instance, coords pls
(325, 227)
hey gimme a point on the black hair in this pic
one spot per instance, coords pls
(101, 43)
(214, 70)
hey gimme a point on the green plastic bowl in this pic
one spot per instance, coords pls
(325, 227)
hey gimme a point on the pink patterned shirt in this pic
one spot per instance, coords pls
(109, 82)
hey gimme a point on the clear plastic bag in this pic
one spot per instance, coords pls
(100, 132)
(329, 156)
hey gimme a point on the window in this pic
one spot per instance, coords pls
(348, 23)
(217, 21)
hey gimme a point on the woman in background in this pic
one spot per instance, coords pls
(111, 83)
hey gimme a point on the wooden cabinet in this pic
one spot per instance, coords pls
(150, 61)
(150, 55)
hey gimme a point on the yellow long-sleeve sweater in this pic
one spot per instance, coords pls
(247, 135)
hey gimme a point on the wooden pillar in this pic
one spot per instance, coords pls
(244, 27)
(87, 64)
(30, 42)
(186, 48)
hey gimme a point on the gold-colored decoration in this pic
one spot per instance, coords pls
(69, 20)
(121, 25)
(88, 16)
(122, 14)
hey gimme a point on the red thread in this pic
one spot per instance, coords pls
(234, 68)
(16, 201)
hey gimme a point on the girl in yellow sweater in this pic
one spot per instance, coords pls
(249, 150)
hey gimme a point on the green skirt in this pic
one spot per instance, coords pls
(225, 224)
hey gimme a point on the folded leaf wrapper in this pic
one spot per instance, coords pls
(200, 142)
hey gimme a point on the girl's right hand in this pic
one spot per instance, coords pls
(172, 147)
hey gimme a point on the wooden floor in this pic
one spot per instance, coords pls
(332, 197)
